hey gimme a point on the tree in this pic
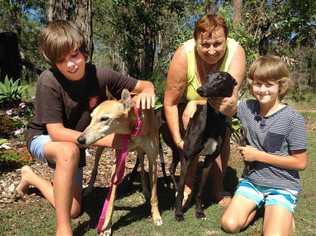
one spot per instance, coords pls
(139, 28)
(58, 10)
(237, 12)
(78, 11)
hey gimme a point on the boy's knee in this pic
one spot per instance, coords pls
(68, 154)
(230, 224)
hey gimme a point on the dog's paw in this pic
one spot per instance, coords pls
(179, 217)
(200, 215)
(107, 232)
(87, 191)
(158, 221)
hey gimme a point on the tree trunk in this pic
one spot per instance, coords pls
(83, 20)
(58, 10)
(237, 12)
(80, 15)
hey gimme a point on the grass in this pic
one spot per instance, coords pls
(131, 215)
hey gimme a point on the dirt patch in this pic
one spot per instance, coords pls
(9, 180)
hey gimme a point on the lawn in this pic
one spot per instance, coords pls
(131, 217)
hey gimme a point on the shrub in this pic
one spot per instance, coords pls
(12, 159)
(7, 126)
(11, 92)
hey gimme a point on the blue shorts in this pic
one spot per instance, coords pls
(266, 196)
(37, 151)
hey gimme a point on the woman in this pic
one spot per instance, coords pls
(210, 50)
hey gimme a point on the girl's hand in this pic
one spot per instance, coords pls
(188, 113)
(249, 153)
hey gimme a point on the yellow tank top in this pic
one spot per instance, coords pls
(192, 79)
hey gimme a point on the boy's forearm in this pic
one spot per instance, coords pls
(59, 133)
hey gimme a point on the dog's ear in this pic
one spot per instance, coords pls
(126, 99)
(232, 78)
(109, 94)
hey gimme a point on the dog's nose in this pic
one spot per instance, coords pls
(81, 140)
(201, 91)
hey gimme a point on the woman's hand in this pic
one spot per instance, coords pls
(180, 144)
(226, 106)
(249, 153)
(188, 113)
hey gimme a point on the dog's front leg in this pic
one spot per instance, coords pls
(162, 164)
(199, 212)
(152, 162)
(140, 158)
(185, 164)
(94, 170)
(106, 228)
(173, 167)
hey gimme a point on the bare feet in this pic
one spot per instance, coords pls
(23, 186)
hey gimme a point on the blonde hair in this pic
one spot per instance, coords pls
(60, 38)
(270, 68)
(208, 23)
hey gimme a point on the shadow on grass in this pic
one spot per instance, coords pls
(230, 184)
(93, 203)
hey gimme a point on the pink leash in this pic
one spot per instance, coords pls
(117, 177)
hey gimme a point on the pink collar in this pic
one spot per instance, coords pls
(138, 122)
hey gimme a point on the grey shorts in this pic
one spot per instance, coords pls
(37, 151)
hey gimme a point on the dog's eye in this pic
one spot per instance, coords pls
(104, 118)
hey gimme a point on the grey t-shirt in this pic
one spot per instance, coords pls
(280, 133)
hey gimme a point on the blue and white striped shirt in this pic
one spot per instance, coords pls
(279, 134)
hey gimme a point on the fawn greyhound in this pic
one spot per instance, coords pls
(204, 136)
(117, 116)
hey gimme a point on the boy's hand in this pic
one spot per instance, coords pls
(145, 100)
(249, 153)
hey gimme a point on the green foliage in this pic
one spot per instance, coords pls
(26, 19)
(235, 125)
(11, 159)
(8, 126)
(11, 92)
(137, 25)
(3, 141)
(240, 33)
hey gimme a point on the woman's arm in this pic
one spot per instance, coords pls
(296, 161)
(175, 87)
(237, 68)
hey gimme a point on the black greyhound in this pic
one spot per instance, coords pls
(204, 136)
